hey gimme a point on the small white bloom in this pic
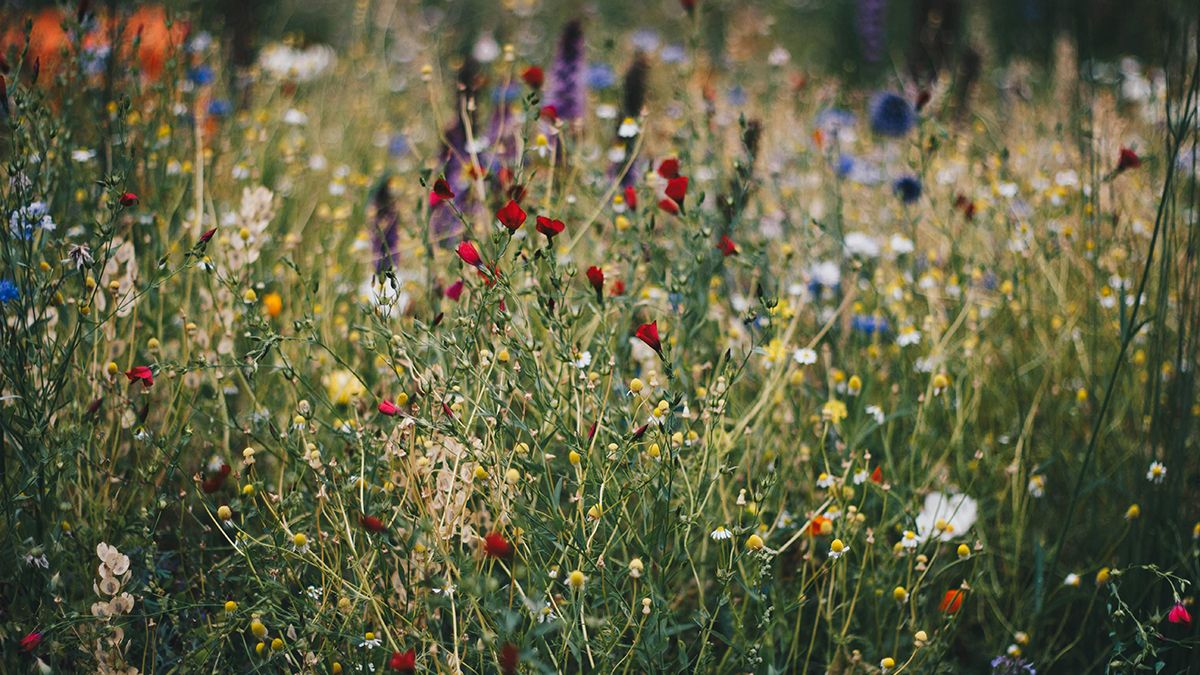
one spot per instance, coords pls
(805, 356)
(721, 534)
(1157, 473)
(629, 128)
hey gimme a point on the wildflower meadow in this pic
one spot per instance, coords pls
(533, 337)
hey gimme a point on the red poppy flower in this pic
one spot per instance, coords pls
(549, 113)
(648, 333)
(441, 192)
(677, 189)
(1128, 159)
(668, 206)
(952, 601)
(511, 215)
(141, 374)
(618, 288)
(877, 475)
(727, 246)
(454, 291)
(469, 254)
(595, 277)
(1179, 614)
(631, 198)
(510, 657)
(204, 238)
(548, 227)
(496, 546)
(388, 408)
(668, 168)
(372, 524)
(817, 527)
(129, 199)
(403, 662)
(534, 77)
(31, 641)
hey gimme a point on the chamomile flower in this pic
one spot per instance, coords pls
(805, 356)
(909, 539)
(629, 128)
(1037, 485)
(837, 549)
(1157, 473)
(721, 534)
(370, 641)
(824, 480)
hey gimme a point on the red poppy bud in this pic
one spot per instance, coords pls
(1179, 614)
(618, 288)
(533, 76)
(951, 601)
(511, 215)
(668, 206)
(129, 199)
(403, 662)
(441, 192)
(727, 246)
(648, 333)
(207, 236)
(388, 408)
(631, 198)
(510, 658)
(877, 475)
(455, 290)
(668, 168)
(372, 524)
(469, 254)
(548, 227)
(141, 374)
(1128, 159)
(549, 113)
(677, 189)
(595, 277)
(31, 641)
(496, 546)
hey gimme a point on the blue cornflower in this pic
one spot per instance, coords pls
(600, 76)
(1011, 665)
(506, 94)
(833, 120)
(870, 325)
(845, 164)
(26, 219)
(201, 75)
(892, 114)
(220, 107)
(398, 145)
(8, 291)
(907, 188)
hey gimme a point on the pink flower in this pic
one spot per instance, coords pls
(141, 374)
(1179, 614)
(388, 408)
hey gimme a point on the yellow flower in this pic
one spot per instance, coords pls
(964, 551)
(258, 629)
(224, 512)
(900, 593)
(230, 606)
(834, 411)
(576, 579)
(276, 644)
(343, 387)
(1133, 512)
(754, 543)
(273, 304)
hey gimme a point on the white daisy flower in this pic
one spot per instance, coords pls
(721, 534)
(1157, 473)
(805, 356)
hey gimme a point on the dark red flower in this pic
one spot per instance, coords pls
(668, 206)
(129, 199)
(141, 374)
(877, 475)
(631, 198)
(469, 254)
(208, 235)
(952, 601)
(31, 641)
(214, 481)
(388, 408)
(689, 6)
(727, 246)
(595, 277)
(549, 113)
(677, 189)
(496, 546)
(441, 192)
(1179, 614)
(454, 291)
(403, 662)
(668, 168)
(618, 288)
(1128, 159)
(923, 99)
(372, 524)
(511, 215)
(550, 228)
(639, 432)
(510, 657)
(648, 333)
(534, 77)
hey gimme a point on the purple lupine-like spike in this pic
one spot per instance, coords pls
(385, 229)
(869, 18)
(567, 91)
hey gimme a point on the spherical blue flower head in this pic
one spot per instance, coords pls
(201, 75)
(845, 165)
(600, 76)
(219, 107)
(907, 188)
(892, 114)
(8, 291)
(869, 325)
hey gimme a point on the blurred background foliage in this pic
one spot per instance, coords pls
(866, 40)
